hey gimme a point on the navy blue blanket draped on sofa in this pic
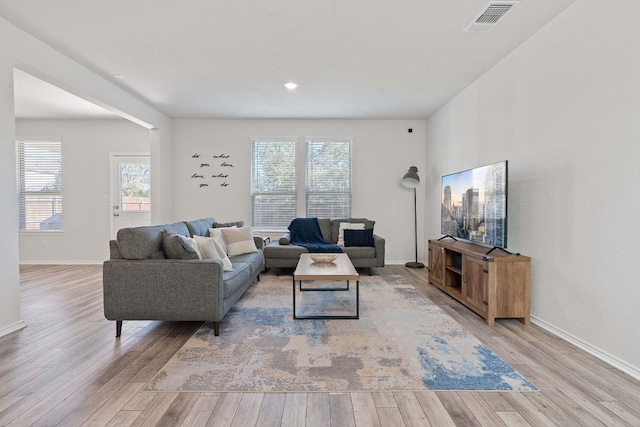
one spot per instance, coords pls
(306, 232)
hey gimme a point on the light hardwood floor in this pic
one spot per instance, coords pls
(67, 368)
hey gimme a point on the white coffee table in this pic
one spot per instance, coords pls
(340, 269)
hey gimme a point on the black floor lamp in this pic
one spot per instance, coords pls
(412, 180)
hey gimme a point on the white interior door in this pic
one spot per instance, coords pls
(131, 191)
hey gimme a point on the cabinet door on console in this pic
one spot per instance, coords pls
(436, 264)
(475, 287)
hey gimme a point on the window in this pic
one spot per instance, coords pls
(276, 185)
(39, 168)
(328, 189)
(274, 176)
(135, 186)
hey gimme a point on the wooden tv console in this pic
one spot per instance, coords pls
(493, 283)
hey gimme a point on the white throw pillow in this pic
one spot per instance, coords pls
(239, 241)
(194, 245)
(216, 233)
(350, 226)
(211, 249)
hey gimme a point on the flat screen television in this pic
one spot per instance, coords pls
(474, 205)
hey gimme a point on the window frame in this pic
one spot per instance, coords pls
(302, 190)
(309, 192)
(255, 193)
(22, 182)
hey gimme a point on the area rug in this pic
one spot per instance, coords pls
(402, 341)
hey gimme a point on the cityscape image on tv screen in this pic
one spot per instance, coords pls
(474, 205)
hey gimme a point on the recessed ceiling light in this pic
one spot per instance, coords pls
(291, 85)
(117, 76)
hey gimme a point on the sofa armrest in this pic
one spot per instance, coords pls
(114, 250)
(379, 243)
(259, 241)
(164, 289)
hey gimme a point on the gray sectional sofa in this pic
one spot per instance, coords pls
(283, 254)
(141, 283)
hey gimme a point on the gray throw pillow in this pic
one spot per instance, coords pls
(285, 239)
(176, 246)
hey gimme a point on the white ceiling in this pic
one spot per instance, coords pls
(229, 59)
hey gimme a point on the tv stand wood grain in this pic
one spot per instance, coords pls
(496, 285)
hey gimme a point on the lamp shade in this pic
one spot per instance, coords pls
(411, 178)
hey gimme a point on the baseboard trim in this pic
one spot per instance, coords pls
(12, 328)
(60, 262)
(583, 345)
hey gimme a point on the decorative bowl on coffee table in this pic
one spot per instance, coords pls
(323, 258)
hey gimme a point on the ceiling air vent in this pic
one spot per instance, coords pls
(490, 16)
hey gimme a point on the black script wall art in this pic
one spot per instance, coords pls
(212, 170)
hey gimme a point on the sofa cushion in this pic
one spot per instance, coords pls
(367, 222)
(238, 224)
(358, 237)
(276, 250)
(146, 242)
(360, 252)
(211, 249)
(235, 279)
(325, 228)
(176, 246)
(239, 241)
(254, 260)
(200, 227)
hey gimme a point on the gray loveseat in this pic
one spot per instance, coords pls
(283, 254)
(141, 283)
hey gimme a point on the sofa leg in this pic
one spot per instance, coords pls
(258, 277)
(216, 328)
(118, 328)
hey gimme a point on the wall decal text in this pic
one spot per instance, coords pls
(217, 175)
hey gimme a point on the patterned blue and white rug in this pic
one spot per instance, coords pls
(402, 341)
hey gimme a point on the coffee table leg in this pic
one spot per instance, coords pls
(357, 315)
(357, 299)
(294, 298)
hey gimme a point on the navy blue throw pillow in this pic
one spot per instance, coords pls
(358, 237)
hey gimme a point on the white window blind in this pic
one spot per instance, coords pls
(274, 176)
(328, 178)
(39, 170)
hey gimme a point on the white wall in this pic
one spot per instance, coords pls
(383, 150)
(86, 145)
(564, 109)
(10, 319)
(20, 50)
